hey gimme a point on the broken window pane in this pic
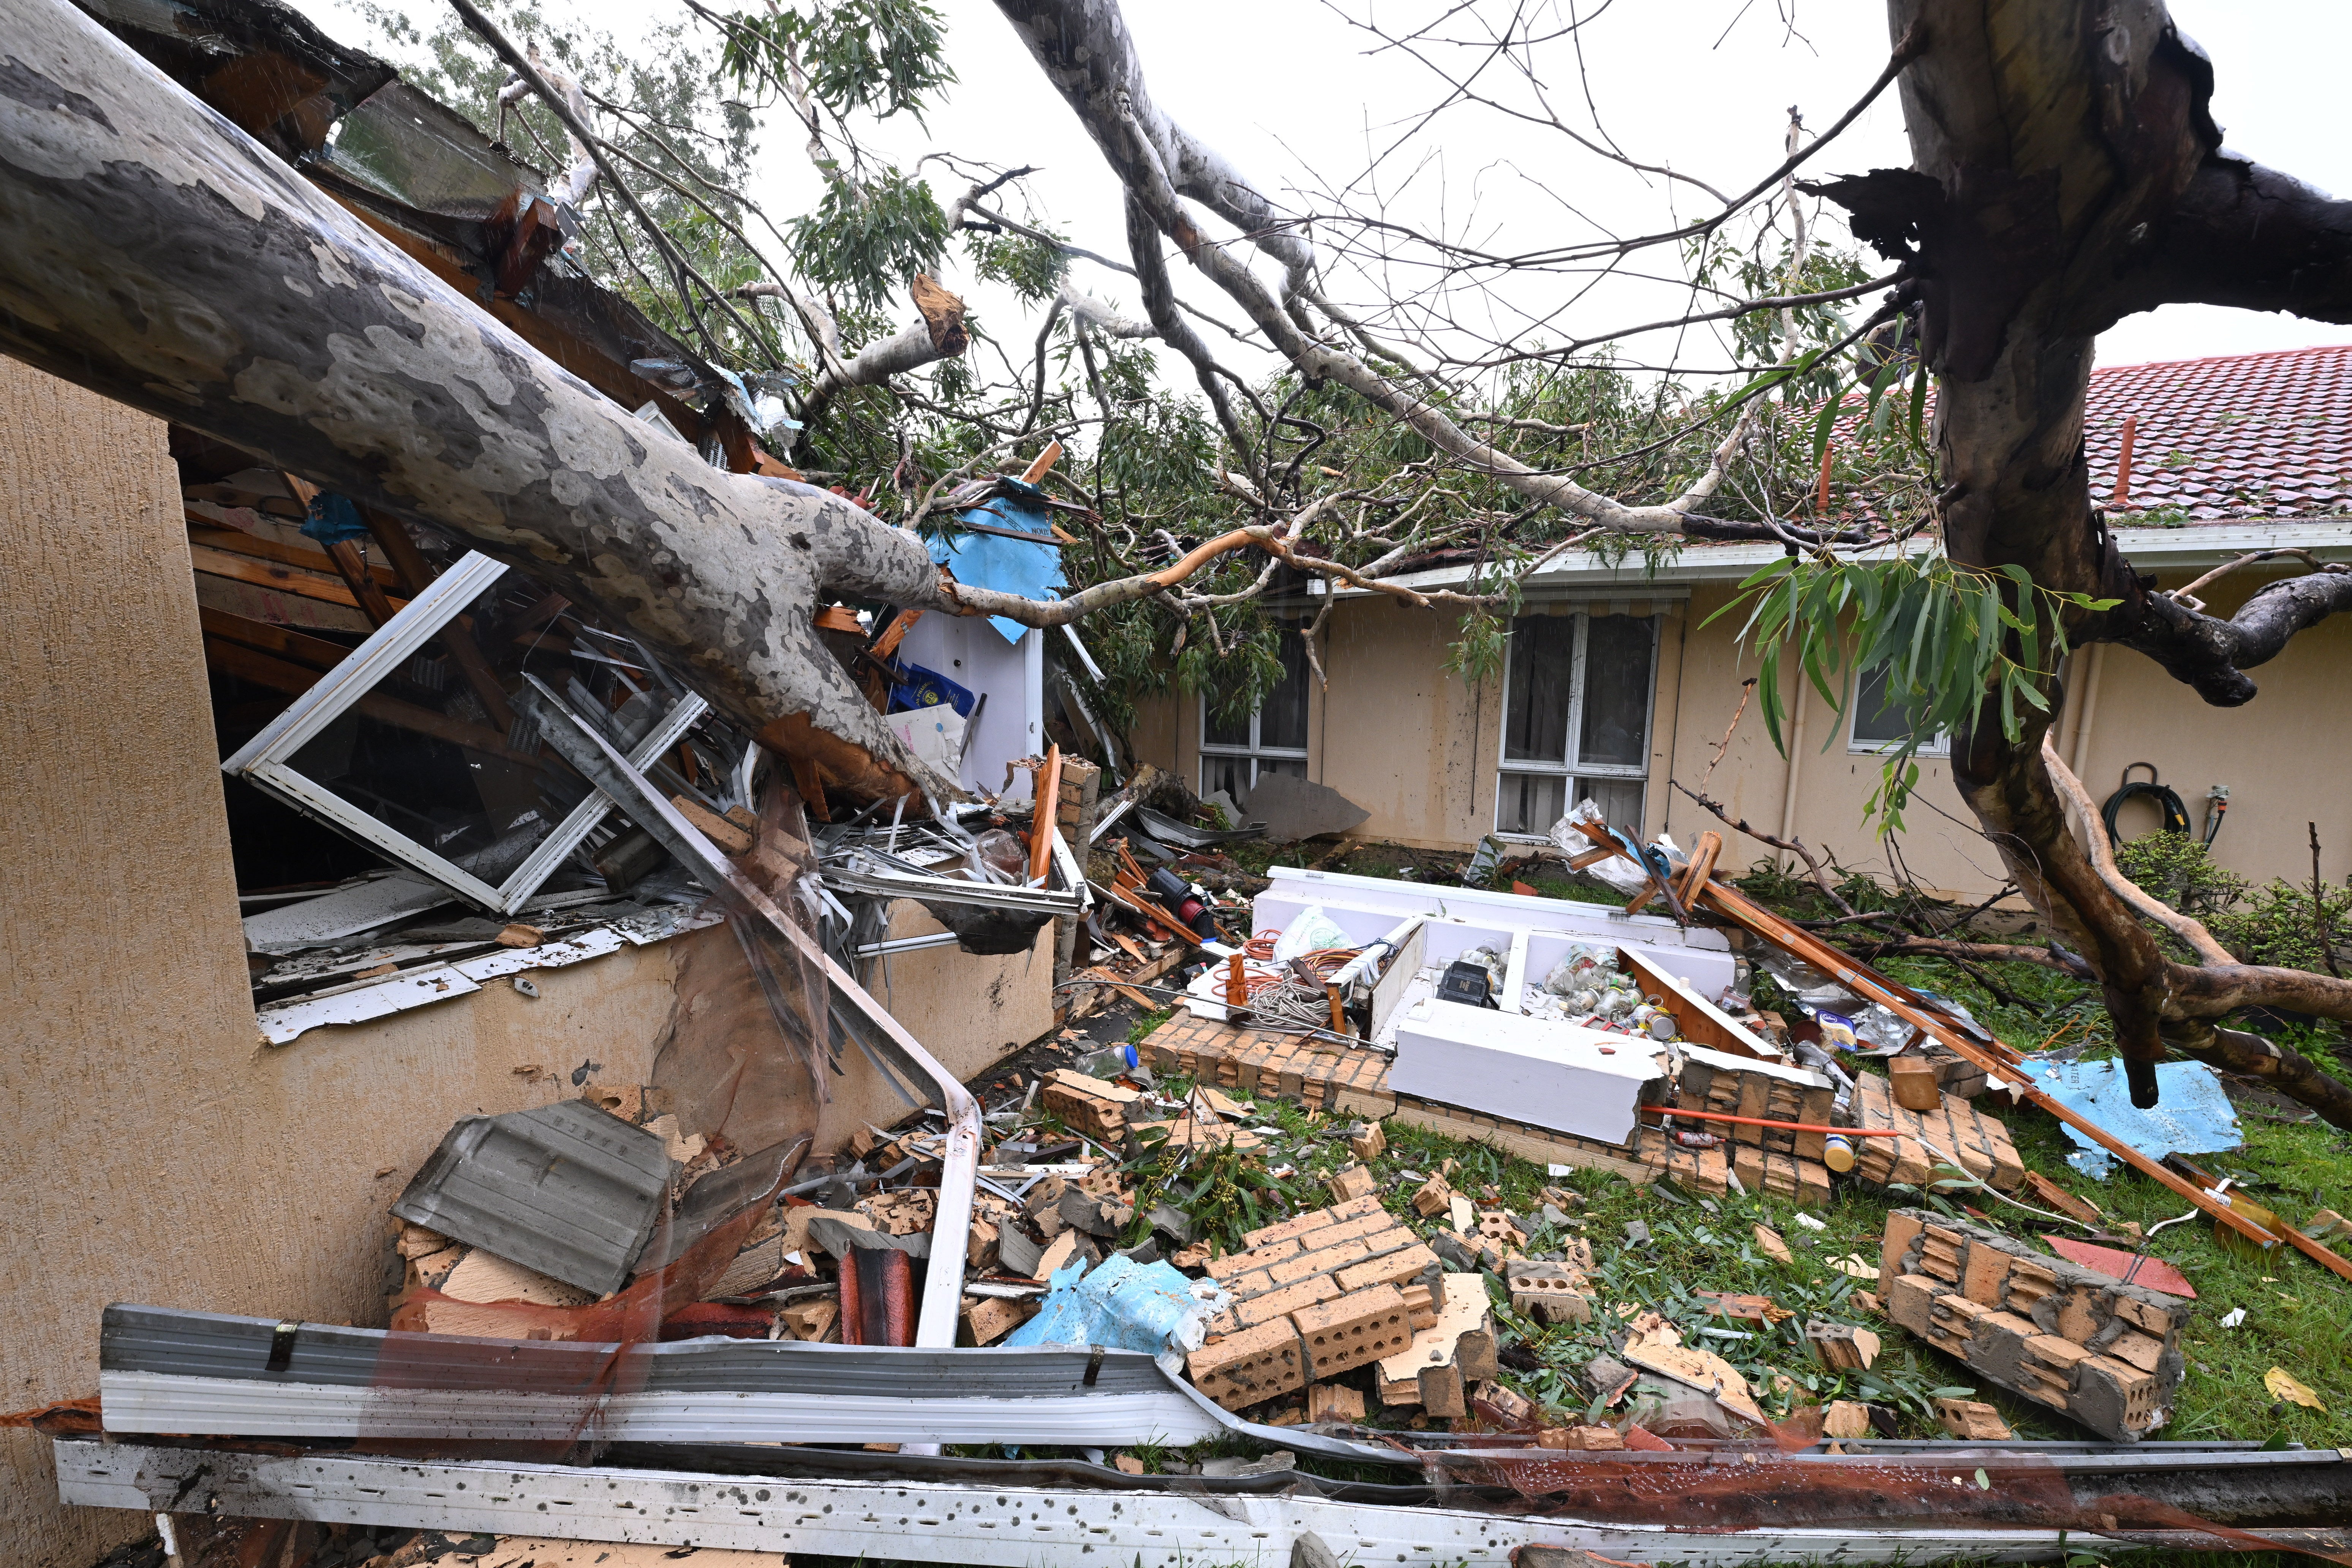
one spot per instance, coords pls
(1542, 660)
(1615, 732)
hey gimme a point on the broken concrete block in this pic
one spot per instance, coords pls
(1913, 1080)
(1442, 1391)
(1549, 1293)
(989, 1319)
(1172, 1223)
(1841, 1346)
(1475, 1354)
(1017, 1254)
(1367, 1141)
(810, 1321)
(1435, 1196)
(1505, 1404)
(1972, 1421)
(1350, 1182)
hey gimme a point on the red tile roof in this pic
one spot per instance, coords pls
(2239, 436)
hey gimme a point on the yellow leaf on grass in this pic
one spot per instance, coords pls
(2282, 1385)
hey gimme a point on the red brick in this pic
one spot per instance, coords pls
(1305, 1292)
(1249, 1367)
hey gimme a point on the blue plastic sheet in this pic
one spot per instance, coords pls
(1007, 565)
(1123, 1305)
(2191, 1116)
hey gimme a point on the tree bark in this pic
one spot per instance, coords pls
(2066, 173)
(157, 254)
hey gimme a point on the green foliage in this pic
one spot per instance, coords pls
(867, 240)
(1031, 269)
(2181, 872)
(878, 56)
(2276, 923)
(1956, 643)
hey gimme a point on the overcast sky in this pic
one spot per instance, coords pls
(1300, 101)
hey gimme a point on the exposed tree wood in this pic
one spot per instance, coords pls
(2066, 172)
(160, 258)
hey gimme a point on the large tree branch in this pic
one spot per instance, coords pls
(158, 256)
(2246, 237)
(2211, 654)
(1084, 48)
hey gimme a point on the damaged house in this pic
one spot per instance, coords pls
(518, 903)
(1619, 678)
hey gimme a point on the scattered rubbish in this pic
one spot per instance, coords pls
(1126, 1306)
(2234, 1317)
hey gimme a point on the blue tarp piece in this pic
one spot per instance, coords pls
(331, 519)
(1123, 1305)
(912, 686)
(1007, 565)
(2192, 1115)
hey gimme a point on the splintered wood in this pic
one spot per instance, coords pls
(1956, 1129)
(2103, 1352)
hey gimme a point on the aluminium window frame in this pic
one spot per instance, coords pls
(1253, 752)
(1938, 747)
(1572, 769)
(267, 760)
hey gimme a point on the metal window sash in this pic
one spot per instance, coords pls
(1572, 743)
(266, 759)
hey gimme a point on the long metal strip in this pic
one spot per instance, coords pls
(931, 1521)
(165, 1370)
(609, 771)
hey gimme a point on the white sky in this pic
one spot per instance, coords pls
(1295, 97)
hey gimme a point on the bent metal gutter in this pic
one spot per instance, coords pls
(608, 770)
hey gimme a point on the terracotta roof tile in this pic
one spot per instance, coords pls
(2240, 436)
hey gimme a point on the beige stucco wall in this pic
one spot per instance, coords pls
(155, 1151)
(1418, 749)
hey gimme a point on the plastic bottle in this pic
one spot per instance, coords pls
(1110, 1063)
(1837, 1152)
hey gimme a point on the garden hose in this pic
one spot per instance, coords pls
(2167, 800)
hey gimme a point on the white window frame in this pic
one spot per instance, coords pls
(1255, 751)
(266, 759)
(1572, 769)
(1939, 744)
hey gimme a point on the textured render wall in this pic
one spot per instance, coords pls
(2283, 757)
(153, 1150)
(969, 1011)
